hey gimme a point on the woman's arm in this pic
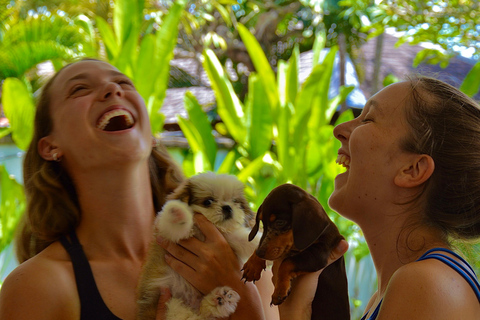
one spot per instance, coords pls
(38, 289)
(428, 290)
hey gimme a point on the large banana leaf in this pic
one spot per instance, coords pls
(19, 108)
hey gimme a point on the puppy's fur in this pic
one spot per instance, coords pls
(299, 237)
(220, 199)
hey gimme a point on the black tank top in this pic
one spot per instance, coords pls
(92, 306)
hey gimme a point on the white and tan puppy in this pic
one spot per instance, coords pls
(220, 199)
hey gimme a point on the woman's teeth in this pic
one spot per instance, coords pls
(343, 160)
(115, 120)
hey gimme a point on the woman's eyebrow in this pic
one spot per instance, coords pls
(86, 75)
(79, 76)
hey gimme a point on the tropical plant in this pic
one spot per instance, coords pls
(282, 133)
(145, 58)
(40, 38)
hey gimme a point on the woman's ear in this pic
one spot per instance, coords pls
(47, 150)
(416, 173)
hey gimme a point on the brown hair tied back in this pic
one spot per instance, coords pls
(445, 124)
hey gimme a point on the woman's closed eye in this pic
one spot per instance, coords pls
(78, 89)
(125, 82)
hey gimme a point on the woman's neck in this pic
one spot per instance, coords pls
(117, 212)
(399, 244)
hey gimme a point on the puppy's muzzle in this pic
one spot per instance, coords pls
(227, 212)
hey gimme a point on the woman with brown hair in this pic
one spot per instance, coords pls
(93, 186)
(412, 184)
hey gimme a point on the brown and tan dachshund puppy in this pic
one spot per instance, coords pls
(298, 236)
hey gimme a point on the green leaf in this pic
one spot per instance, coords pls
(335, 101)
(19, 58)
(345, 116)
(318, 46)
(471, 84)
(200, 160)
(228, 104)
(262, 66)
(12, 206)
(228, 163)
(19, 108)
(260, 122)
(144, 77)
(108, 38)
(127, 17)
(5, 131)
(292, 75)
(200, 121)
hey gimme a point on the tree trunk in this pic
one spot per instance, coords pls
(378, 63)
(342, 52)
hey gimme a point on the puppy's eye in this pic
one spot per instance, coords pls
(280, 223)
(208, 202)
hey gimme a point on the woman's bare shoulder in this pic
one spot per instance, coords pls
(428, 289)
(42, 287)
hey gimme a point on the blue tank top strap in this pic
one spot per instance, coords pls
(374, 315)
(466, 271)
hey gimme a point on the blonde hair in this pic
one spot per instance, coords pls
(52, 204)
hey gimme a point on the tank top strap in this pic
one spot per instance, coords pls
(464, 269)
(91, 302)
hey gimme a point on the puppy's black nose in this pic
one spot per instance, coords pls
(227, 212)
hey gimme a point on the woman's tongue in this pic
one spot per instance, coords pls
(115, 120)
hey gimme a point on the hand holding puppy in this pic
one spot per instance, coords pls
(299, 238)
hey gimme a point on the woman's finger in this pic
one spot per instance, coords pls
(179, 258)
(339, 251)
(165, 296)
(212, 234)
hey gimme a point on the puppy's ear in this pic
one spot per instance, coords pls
(183, 192)
(255, 228)
(249, 214)
(309, 220)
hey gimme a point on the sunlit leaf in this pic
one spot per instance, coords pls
(19, 108)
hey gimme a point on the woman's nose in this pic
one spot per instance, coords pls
(341, 131)
(112, 89)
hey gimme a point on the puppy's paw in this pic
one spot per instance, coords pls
(253, 268)
(219, 303)
(280, 293)
(175, 221)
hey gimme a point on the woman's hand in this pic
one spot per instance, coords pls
(165, 295)
(212, 263)
(206, 265)
(298, 303)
